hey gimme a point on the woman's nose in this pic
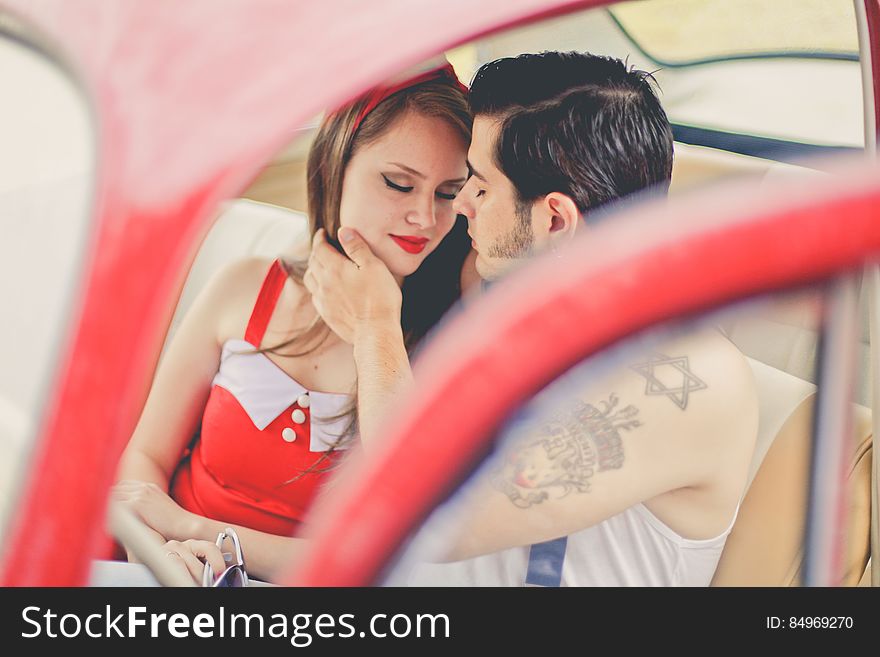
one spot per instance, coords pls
(423, 213)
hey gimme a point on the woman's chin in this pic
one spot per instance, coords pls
(404, 271)
(403, 267)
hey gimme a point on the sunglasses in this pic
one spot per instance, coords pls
(235, 576)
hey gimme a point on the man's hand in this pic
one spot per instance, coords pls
(155, 508)
(354, 293)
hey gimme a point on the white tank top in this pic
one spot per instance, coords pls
(633, 548)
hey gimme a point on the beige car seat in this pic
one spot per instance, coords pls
(765, 546)
(243, 229)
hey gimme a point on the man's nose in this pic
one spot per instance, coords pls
(462, 203)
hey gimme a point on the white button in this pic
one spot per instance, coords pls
(289, 435)
(298, 416)
(303, 400)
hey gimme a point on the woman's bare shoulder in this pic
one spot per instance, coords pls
(233, 291)
(241, 276)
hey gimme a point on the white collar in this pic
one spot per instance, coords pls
(265, 391)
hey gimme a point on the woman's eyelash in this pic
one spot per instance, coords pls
(399, 188)
(481, 192)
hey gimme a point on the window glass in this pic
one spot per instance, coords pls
(686, 31)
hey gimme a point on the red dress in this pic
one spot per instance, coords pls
(260, 429)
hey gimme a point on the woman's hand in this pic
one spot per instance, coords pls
(191, 556)
(156, 509)
(354, 293)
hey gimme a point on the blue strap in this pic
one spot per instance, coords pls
(545, 563)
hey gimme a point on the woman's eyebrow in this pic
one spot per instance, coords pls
(417, 174)
(420, 175)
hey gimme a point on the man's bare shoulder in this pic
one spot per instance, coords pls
(731, 392)
(699, 374)
(675, 421)
(697, 392)
(694, 395)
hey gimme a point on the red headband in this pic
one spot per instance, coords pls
(379, 94)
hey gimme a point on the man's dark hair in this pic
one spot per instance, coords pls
(587, 126)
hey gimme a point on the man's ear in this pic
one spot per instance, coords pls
(563, 216)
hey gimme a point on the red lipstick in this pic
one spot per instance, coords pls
(410, 243)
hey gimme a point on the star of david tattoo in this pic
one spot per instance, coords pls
(671, 377)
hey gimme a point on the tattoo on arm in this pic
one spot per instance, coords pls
(570, 448)
(671, 377)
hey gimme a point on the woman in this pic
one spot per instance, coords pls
(254, 365)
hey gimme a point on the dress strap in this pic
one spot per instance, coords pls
(265, 306)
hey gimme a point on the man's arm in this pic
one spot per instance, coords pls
(358, 298)
(383, 374)
(675, 431)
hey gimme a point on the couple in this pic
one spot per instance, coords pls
(283, 370)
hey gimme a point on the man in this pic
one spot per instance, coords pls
(637, 479)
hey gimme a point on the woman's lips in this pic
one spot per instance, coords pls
(409, 243)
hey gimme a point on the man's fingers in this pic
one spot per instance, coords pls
(314, 288)
(318, 238)
(324, 255)
(309, 281)
(355, 247)
(318, 245)
(319, 307)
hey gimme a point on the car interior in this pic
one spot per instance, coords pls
(781, 339)
(781, 342)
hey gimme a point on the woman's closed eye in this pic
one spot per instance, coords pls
(395, 186)
(447, 196)
(444, 195)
